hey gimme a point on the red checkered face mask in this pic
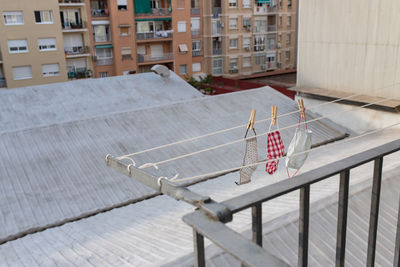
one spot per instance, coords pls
(275, 150)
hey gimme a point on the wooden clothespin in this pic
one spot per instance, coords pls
(273, 116)
(251, 120)
(301, 107)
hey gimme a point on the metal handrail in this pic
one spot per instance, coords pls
(229, 241)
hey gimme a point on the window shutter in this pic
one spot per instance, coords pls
(121, 2)
(37, 16)
(24, 72)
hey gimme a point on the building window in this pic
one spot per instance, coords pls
(196, 45)
(44, 17)
(183, 49)
(246, 4)
(247, 23)
(260, 25)
(233, 23)
(104, 56)
(246, 61)
(195, 26)
(246, 44)
(103, 74)
(124, 30)
(288, 38)
(101, 33)
(50, 70)
(233, 64)
(233, 43)
(71, 19)
(217, 66)
(216, 27)
(17, 46)
(280, 21)
(122, 5)
(289, 21)
(289, 3)
(155, 4)
(259, 59)
(183, 69)
(47, 44)
(13, 18)
(259, 43)
(126, 53)
(287, 54)
(232, 3)
(181, 26)
(22, 73)
(196, 67)
(280, 4)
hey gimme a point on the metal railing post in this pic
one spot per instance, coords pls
(396, 261)
(199, 256)
(304, 225)
(374, 213)
(342, 218)
(256, 213)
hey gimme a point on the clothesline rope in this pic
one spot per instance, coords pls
(296, 154)
(233, 128)
(265, 133)
(240, 126)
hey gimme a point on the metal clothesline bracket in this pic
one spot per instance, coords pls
(215, 210)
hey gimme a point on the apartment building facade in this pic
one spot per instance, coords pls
(31, 45)
(56, 40)
(243, 37)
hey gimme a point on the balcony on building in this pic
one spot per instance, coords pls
(216, 8)
(71, 21)
(195, 7)
(216, 27)
(76, 51)
(263, 7)
(99, 8)
(101, 31)
(217, 46)
(195, 32)
(196, 53)
(78, 73)
(103, 55)
(71, 3)
(271, 22)
(153, 58)
(146, 8)
(153, 29)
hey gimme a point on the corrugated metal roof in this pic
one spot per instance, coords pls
(55, 173)
(27, 107)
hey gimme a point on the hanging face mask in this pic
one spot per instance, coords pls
(301, 142)
(275, 148)
(250, 157)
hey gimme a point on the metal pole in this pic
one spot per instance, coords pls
(396, 261)
(303, 225)
(374, 213)
(256, 213)
(342, 218)
(199, 255)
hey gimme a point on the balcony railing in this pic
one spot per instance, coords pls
(150, 58)
(78, 73)
(70, 1)
(156, 12)
(216, 10)
(2, 82)
(69, 25)
(99, 12)
(271, 28)
(217, 51)
(195, 11)
(268, 66)
(196, 32)
(104, 61)
(153, 35)
(263, 10)
(76, 50)
(196, 53)
(211, 223)
(217, 30)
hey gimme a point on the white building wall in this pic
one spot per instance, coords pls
(351, 46)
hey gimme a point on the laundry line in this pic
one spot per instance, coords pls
(220, 172)
(127, 156)
(231, 129)
(156, 164)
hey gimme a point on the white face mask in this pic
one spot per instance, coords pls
(301, 142)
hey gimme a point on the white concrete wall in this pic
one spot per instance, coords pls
(350, 45)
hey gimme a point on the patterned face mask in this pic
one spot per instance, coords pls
(275, 150)
(250, 157)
